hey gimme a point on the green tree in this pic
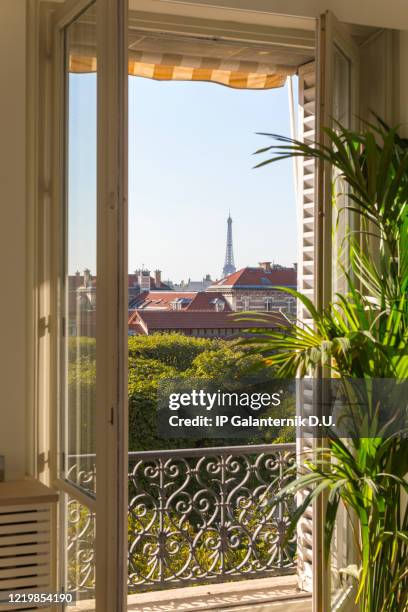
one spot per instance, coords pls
(223, 362)
(171, 349)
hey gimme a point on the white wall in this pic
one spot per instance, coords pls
(12, 235)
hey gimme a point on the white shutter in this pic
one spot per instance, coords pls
(306, 272)
(306, 192)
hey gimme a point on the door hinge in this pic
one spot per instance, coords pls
(44, 325)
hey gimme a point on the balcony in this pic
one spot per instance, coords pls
(198, 520)
(204, 515)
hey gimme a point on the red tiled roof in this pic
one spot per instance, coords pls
(259, 277)
(175, 320)
(160, 300)
(204, 301)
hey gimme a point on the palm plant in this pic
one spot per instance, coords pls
(363, 334)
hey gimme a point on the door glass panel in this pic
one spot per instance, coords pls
(79, 551)
(79, 345)
(341, 218)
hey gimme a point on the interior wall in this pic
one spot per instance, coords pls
(403, 82)
(12, 235)
(390, 14)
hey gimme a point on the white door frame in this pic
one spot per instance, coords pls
(330, 34)
(112, 317)
(110, 503)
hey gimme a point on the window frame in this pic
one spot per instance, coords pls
(113, 32)
(48, 177)
(331, 36)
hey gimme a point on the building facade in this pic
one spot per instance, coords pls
(255, 289)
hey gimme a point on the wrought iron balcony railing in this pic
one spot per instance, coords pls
(205, 515)
(202, 515)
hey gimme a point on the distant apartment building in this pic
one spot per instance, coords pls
(255, 289)
(192, 285)
(181, 301)
(141, 281)
(82, 304)
(82, 297)
(204, 313)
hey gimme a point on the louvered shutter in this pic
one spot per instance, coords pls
(306, 204)
(336, 78)
(306, 271)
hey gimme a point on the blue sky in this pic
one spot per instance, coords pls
(190, 162)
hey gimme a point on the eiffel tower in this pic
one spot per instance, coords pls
(229, 266)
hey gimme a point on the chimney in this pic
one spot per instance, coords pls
(157, 278)
(87, 277)
(78, 280)
(266, 265)
(144, 280)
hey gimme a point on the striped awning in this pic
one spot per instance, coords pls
(237, 74)
(181, 59)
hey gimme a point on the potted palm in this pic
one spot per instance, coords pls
(362, 334)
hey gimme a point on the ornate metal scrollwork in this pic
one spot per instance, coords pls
(195, 516)
(206, 515)
(80, 549)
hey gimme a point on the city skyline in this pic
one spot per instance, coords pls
(228, 268)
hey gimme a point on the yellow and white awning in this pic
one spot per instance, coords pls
(172, 58)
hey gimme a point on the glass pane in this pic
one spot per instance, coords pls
(79, 347)
(342, 219)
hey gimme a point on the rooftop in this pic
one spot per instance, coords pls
(150, 320)
(204, 301)
(260, 277)
(162, 300)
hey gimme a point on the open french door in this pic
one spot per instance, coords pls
(337, 91)
(338, 100)
(89, 56)
(328, 92)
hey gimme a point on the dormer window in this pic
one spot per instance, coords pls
(219, 305)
